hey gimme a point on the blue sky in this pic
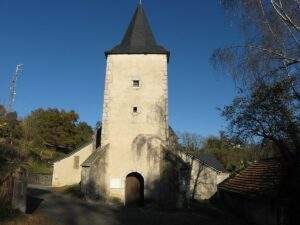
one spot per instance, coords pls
(62, 44)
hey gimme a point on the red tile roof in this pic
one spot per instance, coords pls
(260, 178)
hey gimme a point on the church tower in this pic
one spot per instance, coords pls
(135, 113)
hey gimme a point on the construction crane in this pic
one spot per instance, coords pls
(13, 86)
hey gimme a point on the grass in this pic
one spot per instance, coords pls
(39, 167)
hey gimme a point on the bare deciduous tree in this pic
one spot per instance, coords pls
(270, 49)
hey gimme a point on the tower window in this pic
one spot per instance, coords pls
(135, 83)
(134, 109)
(76, 162)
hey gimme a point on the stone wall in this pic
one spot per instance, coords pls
(135, 138)
(40, 179)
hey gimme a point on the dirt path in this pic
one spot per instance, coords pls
(67, 210)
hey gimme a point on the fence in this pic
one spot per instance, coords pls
(6, 191)
(40, 179)
(13, 190)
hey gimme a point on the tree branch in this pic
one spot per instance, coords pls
(283, 15)
(269, 51)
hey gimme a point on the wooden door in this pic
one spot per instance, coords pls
(132, 191)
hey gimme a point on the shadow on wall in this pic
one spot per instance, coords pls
(151, 144)
(90, 190)
(196, 181)
(93, 175)
(180, 178)
(171, 189)
(175, 180)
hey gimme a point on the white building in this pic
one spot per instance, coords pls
(132, 162)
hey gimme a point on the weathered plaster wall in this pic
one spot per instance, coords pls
(204, 181)
(93, 175)
(64, 172)
(135, 138)
(203, 178)
(222, 176)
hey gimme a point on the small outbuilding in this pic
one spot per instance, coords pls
(206, 173)
(67, 169)
(256, 192)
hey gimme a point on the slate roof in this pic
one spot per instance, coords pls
(138, 38)
(262, 178)
(209, 160)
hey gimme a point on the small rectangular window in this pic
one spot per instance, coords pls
(76, 162)
(135, 109)
(135, 83)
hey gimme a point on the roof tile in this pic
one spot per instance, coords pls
(260, 178)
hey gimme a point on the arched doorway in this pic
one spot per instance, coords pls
(134, 189)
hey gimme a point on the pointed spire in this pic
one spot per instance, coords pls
(138, 38)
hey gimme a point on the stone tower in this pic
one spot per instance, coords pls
(135, 114)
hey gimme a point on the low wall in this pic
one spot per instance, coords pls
(40, 179)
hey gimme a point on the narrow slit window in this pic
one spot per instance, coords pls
(76, 162)
(135, 109)
(135, 83)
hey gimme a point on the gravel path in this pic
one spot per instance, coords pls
(68, 210)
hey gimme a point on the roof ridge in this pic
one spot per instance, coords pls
(215, 164)
(73, 152)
